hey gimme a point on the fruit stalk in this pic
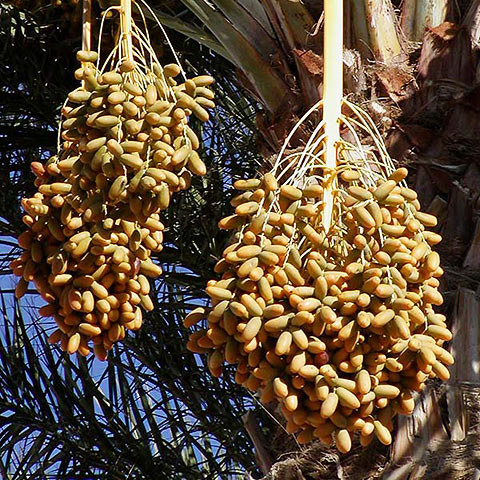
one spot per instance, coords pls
(332, 97)
(126, 26)
(86, 21)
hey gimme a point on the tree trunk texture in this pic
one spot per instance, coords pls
(434, 115)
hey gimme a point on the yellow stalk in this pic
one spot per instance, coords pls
(422, 19)
(384, 39)
(126, 28)
(86, 27)
(430, 13)
(332, 98)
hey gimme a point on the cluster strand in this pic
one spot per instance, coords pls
(339, 329)
(94, 222)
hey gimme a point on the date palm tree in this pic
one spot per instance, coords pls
(153, 411)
